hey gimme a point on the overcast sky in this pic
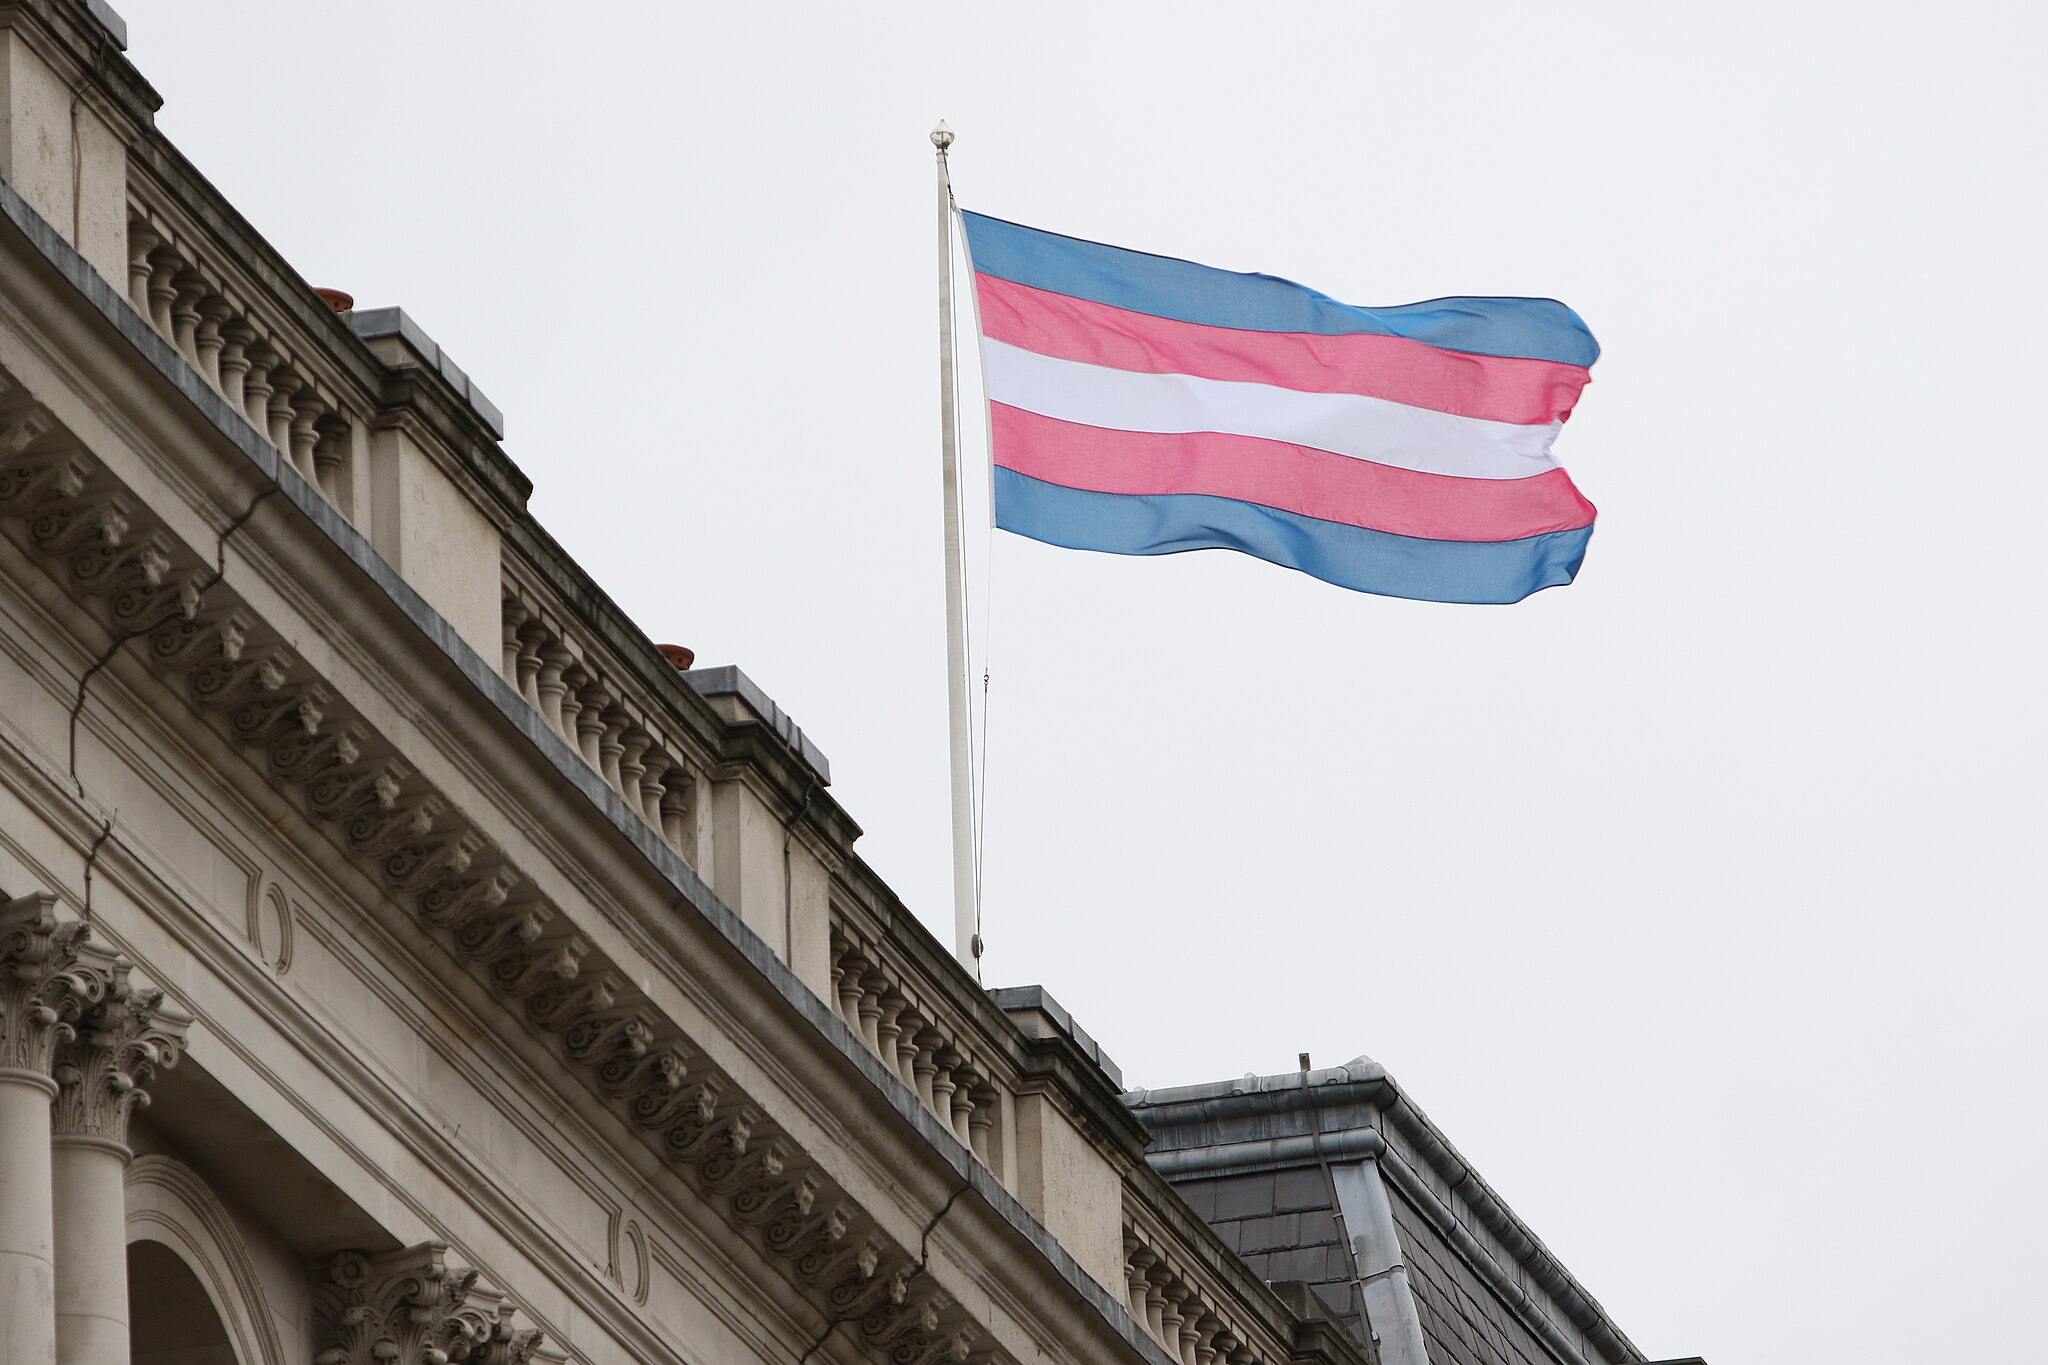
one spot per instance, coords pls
(1700, 902)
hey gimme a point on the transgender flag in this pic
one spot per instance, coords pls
(1144, 405)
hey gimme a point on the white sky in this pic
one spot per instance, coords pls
(1695, 901)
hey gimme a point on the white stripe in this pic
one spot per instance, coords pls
(1342, 423)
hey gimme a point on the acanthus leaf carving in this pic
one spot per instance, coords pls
(309, 754)
(292, 711)
(119, 1043)
(184, 642)
(224, 683)
(766, 1201)
(379, 830)
(522, 973)
(492, 936)
(417, 866)
(452, 904)
(44, 989)
(940, 1348)
(800, 1235)
(61, 526)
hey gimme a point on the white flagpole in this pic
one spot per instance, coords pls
(966, 938)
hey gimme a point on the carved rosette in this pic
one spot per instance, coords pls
(120, 1041)
(411, 1307)
(44, 987)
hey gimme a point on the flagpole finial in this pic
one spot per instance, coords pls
(942, 137)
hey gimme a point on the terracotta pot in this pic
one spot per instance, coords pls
(679, 655)
(340, 300)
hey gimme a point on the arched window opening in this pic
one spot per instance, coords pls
(171, 1321)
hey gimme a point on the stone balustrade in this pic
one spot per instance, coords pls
(617, 734)
(910, 1033)
(255, 366)
(1180, 1308)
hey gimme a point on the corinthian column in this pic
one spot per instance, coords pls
(122, 1037)
(41, 993)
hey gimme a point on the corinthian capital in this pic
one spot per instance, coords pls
(120, 1040)
(43, 987)
(411, 1307)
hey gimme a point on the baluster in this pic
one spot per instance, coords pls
(675, 811)
(964, 1079)
(942, 1082)
(573, 679)
(909, 1024)
(590, 725)
(302, 429)
(1138, 1259)
(611, 744)
(532, 636)
(164, 265)
(632, 744)
(256, 383)
(235, 339)
(981, 1123)
(871, 987)
(331, 459)
(1155, 1299)
(852, 966)
(925, 1069)
(213, 313)
(513, 616)
(284, 383)
(1186, 1334)
(550, 687)
(141, 242)
(651, 788)
(889, 1027)
(1170, 1317)
(189, 290)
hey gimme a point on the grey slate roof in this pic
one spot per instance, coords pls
(1483, 1287)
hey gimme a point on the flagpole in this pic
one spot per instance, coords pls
(966, 938)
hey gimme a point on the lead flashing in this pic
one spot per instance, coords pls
(370, 323)
(114, 24)
(1016, 999)
(727, 680)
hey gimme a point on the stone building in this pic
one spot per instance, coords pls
(401, 960)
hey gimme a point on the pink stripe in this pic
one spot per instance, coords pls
(1292, 478)
(1498, 388)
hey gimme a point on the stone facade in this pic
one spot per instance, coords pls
(400, 960)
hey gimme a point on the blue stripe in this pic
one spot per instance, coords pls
(1535, 329)
(1349, 556)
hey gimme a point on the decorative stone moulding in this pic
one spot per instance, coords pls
(162, 598)
(1169, 1302)
(231, 350)
(623, 743)
(121, 1041)
(411, 1307)
(886, 1014)
(44, 989)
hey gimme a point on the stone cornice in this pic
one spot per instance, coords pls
(148, 583)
